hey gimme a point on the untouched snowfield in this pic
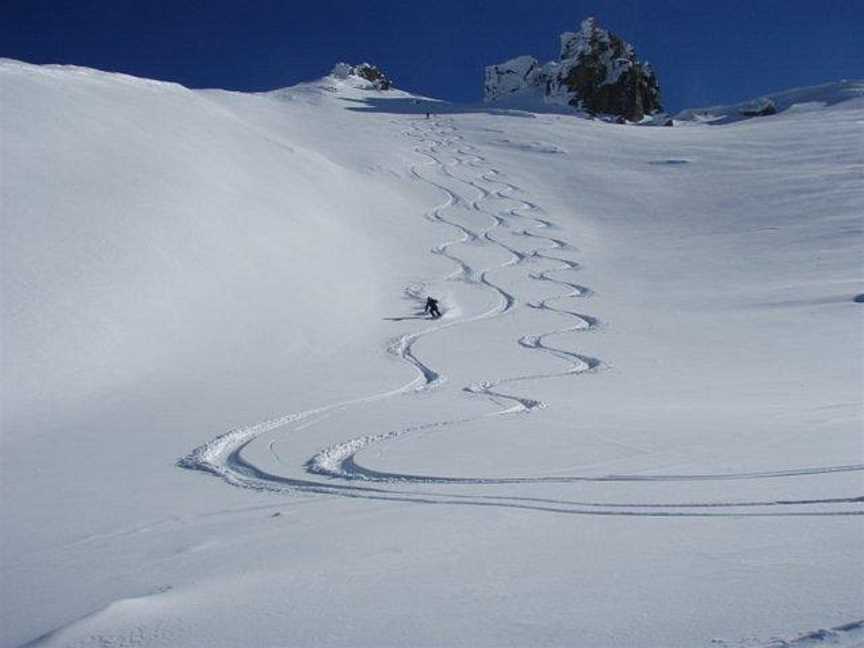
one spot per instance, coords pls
(225, 421)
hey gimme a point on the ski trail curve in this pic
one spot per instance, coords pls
(442, 150)
(343, 453)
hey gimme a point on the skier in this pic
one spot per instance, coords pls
(432, 308)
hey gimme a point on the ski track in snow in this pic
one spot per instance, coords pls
(335, 470)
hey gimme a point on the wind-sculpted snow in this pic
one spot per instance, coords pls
(486, 212)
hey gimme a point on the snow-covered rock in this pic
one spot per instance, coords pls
(598, 72)
(512, 77)
(365, 75)
(760, 107)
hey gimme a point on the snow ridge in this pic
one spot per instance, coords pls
(826, 94)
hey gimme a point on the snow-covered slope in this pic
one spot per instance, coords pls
(798, 99)
(637, 424)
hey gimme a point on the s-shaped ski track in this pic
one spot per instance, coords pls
(336, 471)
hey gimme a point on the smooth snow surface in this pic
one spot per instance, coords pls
(226, 421)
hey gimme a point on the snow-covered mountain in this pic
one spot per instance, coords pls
(226, 420)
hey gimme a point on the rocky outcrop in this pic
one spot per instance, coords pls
(365, 74)
(761, 107)
(600, 73)
(597, 72)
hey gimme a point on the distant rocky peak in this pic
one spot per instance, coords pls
(597, 72)
(364, 75)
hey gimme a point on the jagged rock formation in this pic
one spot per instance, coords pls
(603, 75)
(597, 72)
(372, 75)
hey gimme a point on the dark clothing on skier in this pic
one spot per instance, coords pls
(432, 308)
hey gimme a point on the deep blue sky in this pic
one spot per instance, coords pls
(705, 51)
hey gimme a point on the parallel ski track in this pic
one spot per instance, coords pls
(224, 455)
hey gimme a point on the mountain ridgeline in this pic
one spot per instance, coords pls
(597, 72)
